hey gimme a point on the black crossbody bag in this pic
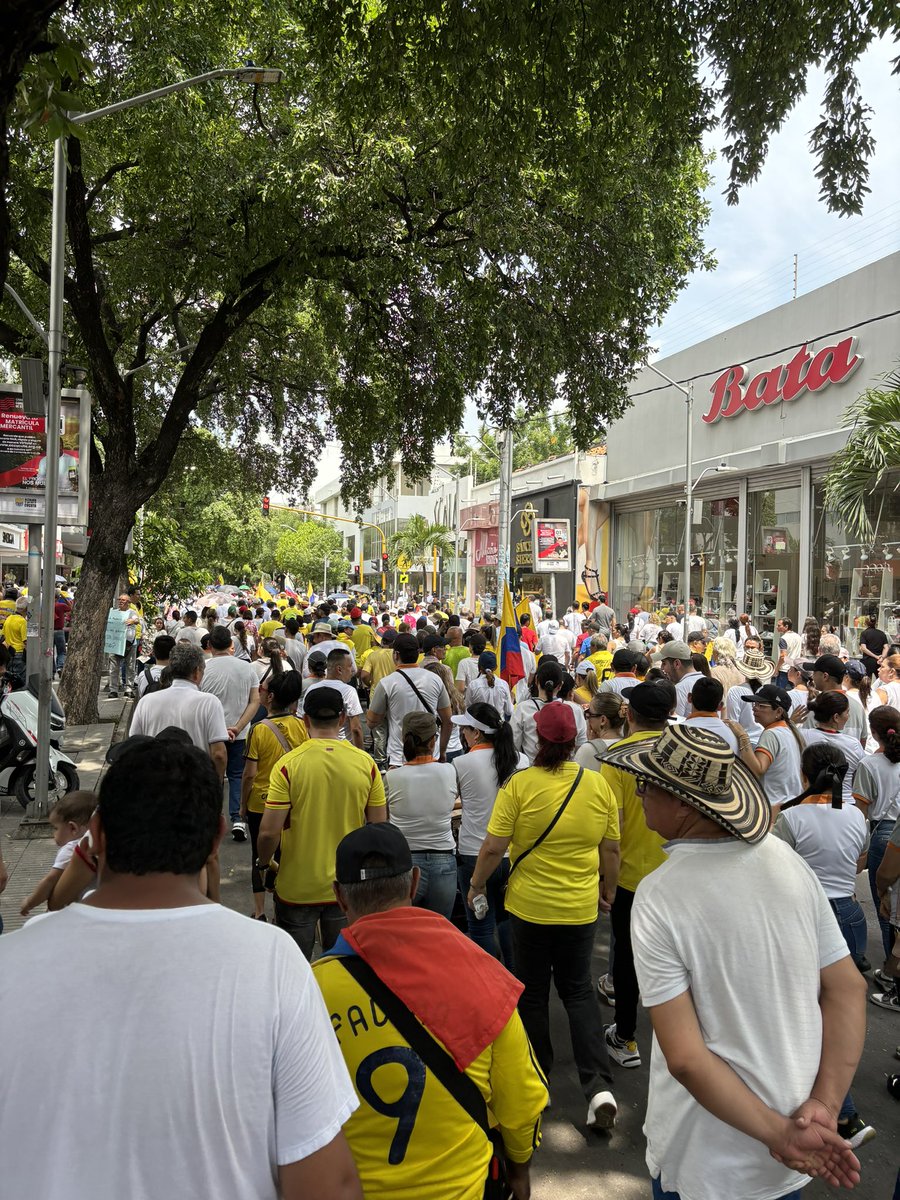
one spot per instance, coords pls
(436, 1059)
(437, 723)
(559, 813)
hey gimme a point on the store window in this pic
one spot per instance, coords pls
(773, 568)
(852, 581)
(714, 540)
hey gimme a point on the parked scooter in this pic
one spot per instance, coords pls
(18, 745)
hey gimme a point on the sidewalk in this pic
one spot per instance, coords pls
(29, 861)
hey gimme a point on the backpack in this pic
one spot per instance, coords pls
(153, 685)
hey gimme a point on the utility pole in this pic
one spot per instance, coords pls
(505, 438)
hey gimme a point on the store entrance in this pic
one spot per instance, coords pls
(773, 572)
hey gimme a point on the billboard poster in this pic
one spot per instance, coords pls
(775, 541)
(552, 545)
(23, 459)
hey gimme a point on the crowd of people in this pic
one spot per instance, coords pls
(445, 843)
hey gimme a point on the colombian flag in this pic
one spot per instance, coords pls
(511, 668)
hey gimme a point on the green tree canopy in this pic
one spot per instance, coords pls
(417, 542)
(872, 452)
(535, 439)
(301, 552)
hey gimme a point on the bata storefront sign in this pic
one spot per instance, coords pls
(787, 381)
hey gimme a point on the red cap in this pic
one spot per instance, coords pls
(355, 614)
(556, 722)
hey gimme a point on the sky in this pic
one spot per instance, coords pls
(778, 216)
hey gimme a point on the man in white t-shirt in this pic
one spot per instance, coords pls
(183, 705)
(755, 1002)
(674, 660)
(694, 622)
(338, 674)
(705, 710)
(552, 644)
(573, 621)
(193, 1132)
(236, 684)
(409, 689)
(163, 645)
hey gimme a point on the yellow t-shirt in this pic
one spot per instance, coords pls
(327, 784)
(15, 631)
(379, 664)
(267, 629)
(264, 748)
(138, 628)
(558, 883)
(641, 849)
(408, 1128)
(602, 661)
(363, 638)
(7, 606)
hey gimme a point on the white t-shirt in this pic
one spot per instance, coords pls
(351, 699)
(395, 698)
(715, 725)
(573, 622)
(231, 679)
(64, 854)
(857, 723)
(738, 710)
(649, 632)
(296, 652)
(694, 623)
(478, 787)
(849, 746)
(783, 780)
(330, 644)
(141, 683)
(185, 706)
(553, 645)
(420, 800)
(756, 996)
(467, 670)
(170, 1103)
(830, 840)
(878, 781)
(191, 634)
(478, 692)
(525, 730)
(682, 692)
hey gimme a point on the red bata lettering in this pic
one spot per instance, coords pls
(784, 382)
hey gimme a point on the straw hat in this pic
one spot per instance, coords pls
(755, 665)
(699, 768)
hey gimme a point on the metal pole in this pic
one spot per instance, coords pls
(456, 552)
(51, 489)
(689, 498)
(506, 462)
(325, 576)
(32, 644)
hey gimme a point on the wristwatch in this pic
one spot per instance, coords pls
(263, 866)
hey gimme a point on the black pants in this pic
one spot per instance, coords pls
(624, 977)
(254, 820)
(563, 953)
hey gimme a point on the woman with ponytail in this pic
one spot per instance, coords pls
(831, 711)
(486, 688)
(491, 761)
(876, 789)
(606, 721)
(546, 689)
(831, 835)
(421, 796)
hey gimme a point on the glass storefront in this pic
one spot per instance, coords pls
(773, 560)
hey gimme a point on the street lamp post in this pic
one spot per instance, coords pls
(503, 518)
(254, 75)
(688, 394)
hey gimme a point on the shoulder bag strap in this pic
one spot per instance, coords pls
(463, 1090)
(278, 735)
(559, 813)
(403, 675)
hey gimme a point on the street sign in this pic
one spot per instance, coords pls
(404, 578)
(403, 563)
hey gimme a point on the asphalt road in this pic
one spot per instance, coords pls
(575, 1163)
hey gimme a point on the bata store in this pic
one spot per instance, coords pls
(769, 398)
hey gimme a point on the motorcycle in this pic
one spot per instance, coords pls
(18, 745)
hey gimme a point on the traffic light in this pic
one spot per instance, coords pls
(265, 506)
(384, 561)
(375, 566)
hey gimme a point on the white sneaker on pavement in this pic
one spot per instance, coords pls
(602, 1111)
(239, 830)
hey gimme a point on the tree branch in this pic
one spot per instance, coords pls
(108, 175)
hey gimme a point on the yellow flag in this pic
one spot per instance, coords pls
(309, 591)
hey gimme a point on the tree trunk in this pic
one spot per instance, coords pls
(114, 508)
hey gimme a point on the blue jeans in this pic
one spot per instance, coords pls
(59, 649)
(437, 887)
(234, 771)
(881, 835)
(495, 923)
(852, 921)
(659, 1194)
(300, 920)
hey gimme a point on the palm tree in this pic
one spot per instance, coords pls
(871, 452)
(417, 541)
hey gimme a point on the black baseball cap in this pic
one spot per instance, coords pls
(389, 636)
(323, 703)
(171, 733)
(830, 664)
(383, 839)
(432, 642)
(771, 693)
(624, 660)
(652, 700)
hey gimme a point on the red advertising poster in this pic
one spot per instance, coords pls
(23, 441)
(552, 546)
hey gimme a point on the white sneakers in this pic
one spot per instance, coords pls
(602, 1111)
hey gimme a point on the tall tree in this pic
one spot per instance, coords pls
(418, 542)
(442, 200)
(302, 552)
(536, 438)
(872, 452)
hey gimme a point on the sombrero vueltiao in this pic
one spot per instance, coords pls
(699, 767)
(755, 665)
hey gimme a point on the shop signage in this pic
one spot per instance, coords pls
(523, 555)
(804, 373)
(486, 547)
